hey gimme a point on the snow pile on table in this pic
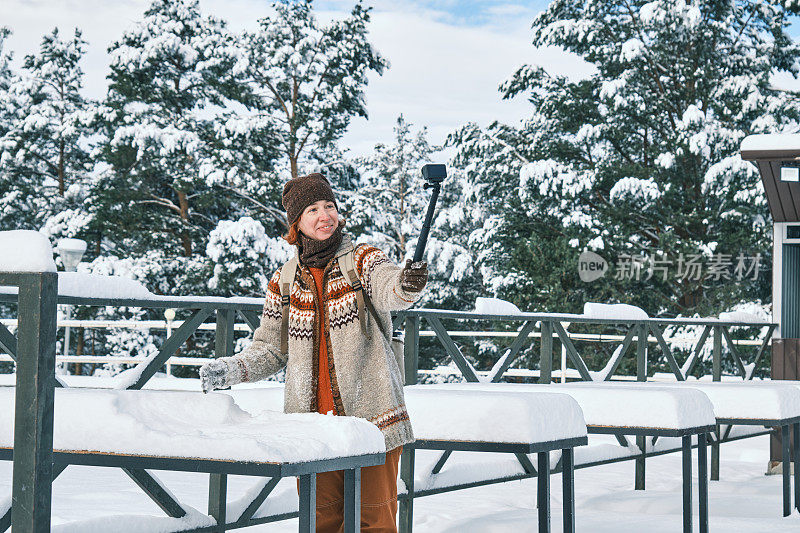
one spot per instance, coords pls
(618, 404)
(268, 397)
(194, 425)
(614, 311)
(25, 251)
(477, 412)
(639, 405)
(767, 400)
(495, 306)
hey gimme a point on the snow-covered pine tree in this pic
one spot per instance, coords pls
(306, 81)
(6, 80)
(172, 76)
(10, 216)
(639, 158)
(243, 257)
(46, 146)
(15, 211)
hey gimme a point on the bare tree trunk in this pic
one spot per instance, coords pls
(94, 352)
(81, 344)
(61, 186)
(186, 239)
(402, 238)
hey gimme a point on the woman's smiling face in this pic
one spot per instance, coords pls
(319, 220)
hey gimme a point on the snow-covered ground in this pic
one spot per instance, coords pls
(745, 499)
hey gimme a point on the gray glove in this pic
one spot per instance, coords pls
(216, 374)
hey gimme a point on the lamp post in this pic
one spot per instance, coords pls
(169, 314)
(71, 251)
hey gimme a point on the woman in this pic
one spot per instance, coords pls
(331, 366)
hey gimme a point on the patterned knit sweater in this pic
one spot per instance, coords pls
(366, 379)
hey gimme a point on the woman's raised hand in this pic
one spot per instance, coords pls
(414, 276)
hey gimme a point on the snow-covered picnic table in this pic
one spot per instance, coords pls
(493, 420)
(660, 408)
(756, 403)
(622, 409)
(194, 425)
(191, 431)
(764, 403)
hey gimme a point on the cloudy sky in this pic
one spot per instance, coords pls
(447, 57)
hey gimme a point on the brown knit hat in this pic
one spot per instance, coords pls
(301, 192)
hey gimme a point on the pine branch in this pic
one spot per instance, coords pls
(653, 66)
(277, 96)
(276, 214)
(164, 202)
(311, 102)
(513, 149)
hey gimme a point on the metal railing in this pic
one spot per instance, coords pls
(169, 325)
(552, 326)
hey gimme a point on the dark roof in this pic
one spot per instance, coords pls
(783, 197)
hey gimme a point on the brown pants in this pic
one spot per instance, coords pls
(378, 497)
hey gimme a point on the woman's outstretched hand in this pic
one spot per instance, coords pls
(414, 276)
(213, 375)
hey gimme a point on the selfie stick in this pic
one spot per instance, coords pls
(434, 176)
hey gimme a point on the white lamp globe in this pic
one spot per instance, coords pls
(71, 251)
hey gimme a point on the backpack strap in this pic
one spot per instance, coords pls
(365, 307)
(347, 266)
(288, 272)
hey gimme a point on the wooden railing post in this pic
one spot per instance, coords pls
(641, 375)
(33, 419)
(411, 349)
(641, 353)
(546, 353)
(223, 340)
(716, 372)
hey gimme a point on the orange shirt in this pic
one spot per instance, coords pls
(324, 390)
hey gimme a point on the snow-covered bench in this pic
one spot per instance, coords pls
(190, 431)
(618, 409)
(767, 404)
